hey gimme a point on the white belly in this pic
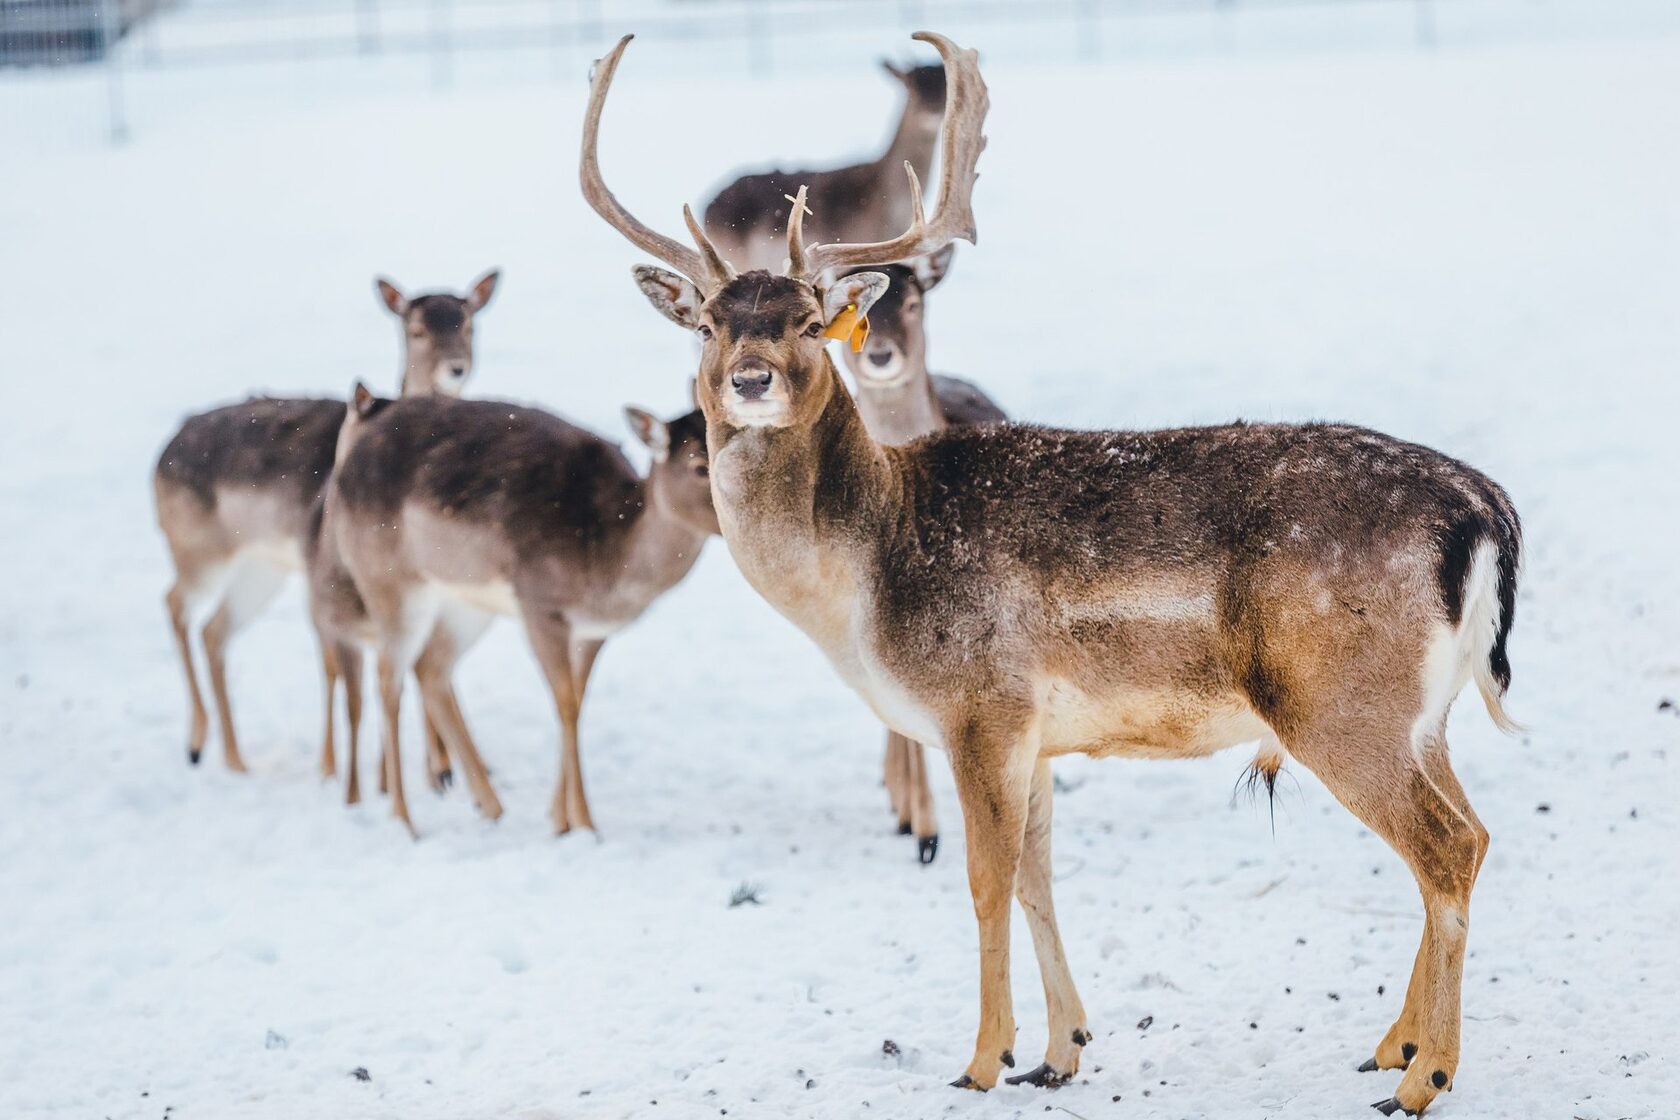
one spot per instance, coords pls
(492, 597)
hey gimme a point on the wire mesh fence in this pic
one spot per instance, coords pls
(752, 36)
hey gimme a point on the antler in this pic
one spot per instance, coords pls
(961, 142)
(708, 270)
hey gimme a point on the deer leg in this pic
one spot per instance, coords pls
(583, 653)
(920, 796)
(1068, 1033)
(438, 774)
(178, 601)
(391, 674)
(433, 671)
(350, 665)
(893, 768)
(330, 671)
(550, 638)
(993, 777)
(1413, 801)
(253, 588)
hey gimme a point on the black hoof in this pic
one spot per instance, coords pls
(1081, 1036)
(967, 1082)
(1391, 1106)
(1045, 1077)
(446, 778)
(193, 756)
(904, 828)
(1369, 1066)
(926, 848)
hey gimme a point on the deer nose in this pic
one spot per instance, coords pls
(459, 369)
(881, 357)
(751, 384)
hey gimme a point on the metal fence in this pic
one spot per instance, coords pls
(757, 36)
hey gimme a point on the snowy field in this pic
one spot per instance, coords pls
(1477, 249)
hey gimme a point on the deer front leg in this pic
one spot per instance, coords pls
(893, 767)
(438, 773)
(329, 670)
(992, 777)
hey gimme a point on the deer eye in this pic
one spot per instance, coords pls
(814, 330)
(704, 331)
(701, 470)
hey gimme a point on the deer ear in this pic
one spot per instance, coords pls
(859, 288)
(654, 433)
(361, 400)
(391, 295)
(671, 295)
(888, 65)
(931, 269)
(483, 288)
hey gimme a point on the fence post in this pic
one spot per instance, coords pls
(1424, 11)
(367, 26)
(110, 36)
(440, 44)
(758, 38)
(1088, 29)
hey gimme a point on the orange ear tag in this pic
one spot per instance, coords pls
(849, 325)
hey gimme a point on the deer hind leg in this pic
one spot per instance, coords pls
(433, 672)
(551, 641)
(895, 776)
(401, 642)
(993, 777)
(920, 796)
(438, 773)
(183, 596)
(253, 587)
(330, 673)
(1409, 796)
(350, 667)
(1068, 1032)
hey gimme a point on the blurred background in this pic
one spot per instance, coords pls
(1453, 220)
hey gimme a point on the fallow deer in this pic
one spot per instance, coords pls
(234, 487)
(899, 401)
(859, 202)
(447, 512)
(1012, 593)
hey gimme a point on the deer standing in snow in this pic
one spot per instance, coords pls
(1012, 593)
(234, 488)
(446, 513)
(899, 400)
(859, 202)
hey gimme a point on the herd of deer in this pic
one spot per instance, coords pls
(1004, 592)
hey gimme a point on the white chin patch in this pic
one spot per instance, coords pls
(885, 375)
(757, 414)
(450, 383)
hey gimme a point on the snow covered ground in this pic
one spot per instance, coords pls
(1478, 249)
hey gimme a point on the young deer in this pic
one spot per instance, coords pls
(860, 202)
(235, 485)
(1013, 593)
(448, 512)
(899, 401)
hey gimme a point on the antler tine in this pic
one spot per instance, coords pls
(961, 142)
(796, 235)
(679, 256)
(715, 264)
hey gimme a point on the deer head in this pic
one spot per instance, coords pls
(437, 334)
(763, 362)
(897, 346)
(679, 481)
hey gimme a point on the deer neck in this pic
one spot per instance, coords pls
(901, 412)
(802, 508)
(658, 547)
(913, 141)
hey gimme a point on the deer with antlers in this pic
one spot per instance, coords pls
(235, 486)
(1012, 593)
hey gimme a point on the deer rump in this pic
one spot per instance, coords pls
(1173, 593)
